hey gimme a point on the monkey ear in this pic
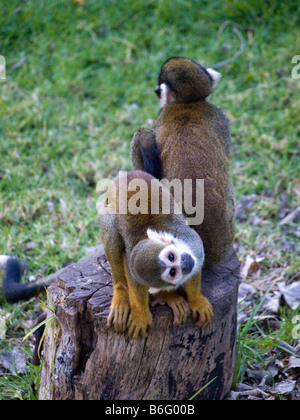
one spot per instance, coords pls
(165, 95)
(215, 75)
(3, 261)
(163, 237)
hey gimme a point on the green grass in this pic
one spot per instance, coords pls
(66, 118)
(256, 341)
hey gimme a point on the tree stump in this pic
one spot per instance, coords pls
(83, 359)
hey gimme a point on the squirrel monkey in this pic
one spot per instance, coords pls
(150, 252)
(191, 140)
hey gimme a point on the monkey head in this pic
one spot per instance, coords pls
(184, 80)
(163, 261)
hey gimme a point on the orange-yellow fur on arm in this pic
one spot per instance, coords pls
(140, 318)
(202, 310)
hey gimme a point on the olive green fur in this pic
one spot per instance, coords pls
(193, 138)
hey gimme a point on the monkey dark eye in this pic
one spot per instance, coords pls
(171, 257)
(158, 91)
(172, 272)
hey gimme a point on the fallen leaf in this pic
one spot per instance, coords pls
(50, 206)
(13, 361)
(245, 204)
(285, 387)
(271, 302)
(293, 215)
(283, 204)
(19, 63)
(246, 291)
(289, 245)
(251, 264)
(291, 293)
(30, 245)
(294, 366)
(256, 221)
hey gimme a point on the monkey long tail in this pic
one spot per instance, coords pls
(13, 291)
(240, 50)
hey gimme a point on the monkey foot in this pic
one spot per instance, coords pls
(138, 323)
(118, 317)
(202, 311)
(177, 303)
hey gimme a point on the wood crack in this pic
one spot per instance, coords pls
(157, 360)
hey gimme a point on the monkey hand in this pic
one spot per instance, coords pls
(139, 321)
(136, 145)
(202, 311)
(119, 311)
(145, 153)
(177, 303)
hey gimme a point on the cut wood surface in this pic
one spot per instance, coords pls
(84, 359)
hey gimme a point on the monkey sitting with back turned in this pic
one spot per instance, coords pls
(150, 252)
(191, 140)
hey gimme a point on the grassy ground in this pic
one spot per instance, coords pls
(80, 80)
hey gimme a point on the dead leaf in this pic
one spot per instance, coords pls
(291, 293)
(251, 265)
(13, 361)
(285, 387)
(50, 206)
(294, 366)
(246, 291)
(271, 302)
(289, 245)
(19, 63)
(245, 204)
(293, 215)
(256, 221)
(283, 205)
(80, 2)
(30, 245)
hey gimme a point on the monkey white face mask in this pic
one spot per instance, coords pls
(177, 258)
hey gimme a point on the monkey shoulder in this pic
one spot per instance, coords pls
(194, 124)
(111, 234)
(221, 126)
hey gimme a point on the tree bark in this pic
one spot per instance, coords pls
(83, 359)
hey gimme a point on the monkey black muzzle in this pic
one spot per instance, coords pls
(187, 263)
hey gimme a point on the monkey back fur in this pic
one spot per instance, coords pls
(193, 138)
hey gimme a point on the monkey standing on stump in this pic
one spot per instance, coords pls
(150, 252)
(191, 140)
